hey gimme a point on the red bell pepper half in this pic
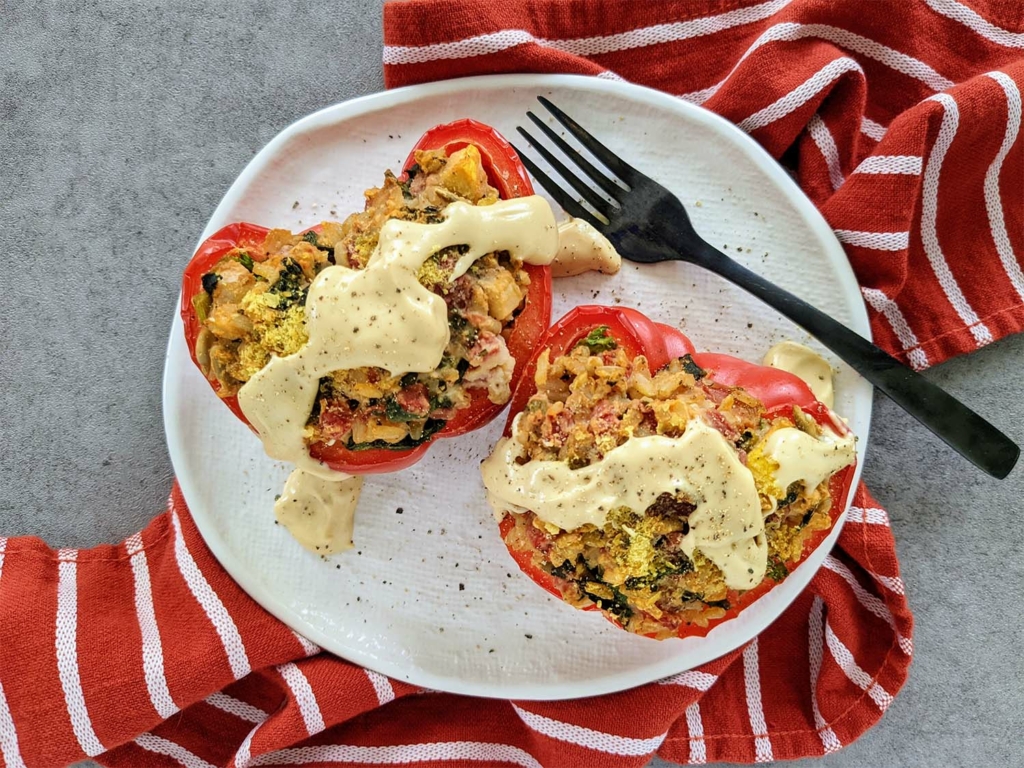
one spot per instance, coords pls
(778, 390)
(506, 174)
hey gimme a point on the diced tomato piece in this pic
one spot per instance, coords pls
(335, 420)
(414, 399)
(605, 417)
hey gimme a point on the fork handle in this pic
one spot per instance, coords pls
(961, 428)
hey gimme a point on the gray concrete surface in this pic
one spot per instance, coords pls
(121, 125)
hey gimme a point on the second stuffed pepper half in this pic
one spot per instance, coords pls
(664, 487)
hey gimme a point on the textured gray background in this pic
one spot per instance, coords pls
(120, 129)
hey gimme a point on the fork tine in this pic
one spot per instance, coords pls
(563, 198)
(599, 178)
(621, 169)
(599, 204)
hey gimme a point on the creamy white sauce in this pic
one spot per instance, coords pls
(319, 513)
(382, 316)
(802, 457)
(581, 248)
(806, 364)
(727, 524)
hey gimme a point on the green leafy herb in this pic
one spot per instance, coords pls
(411, 172)
(692, 368)
(428, 214)
(598, 340)
(409, 379)
(210, 280)
(312, 238)
(618, 605)
(777, 570)
(289, 284)
(394, 412)
(246, 260)
(566, 570)
(746, 440)
(793, 493)
(440, 401)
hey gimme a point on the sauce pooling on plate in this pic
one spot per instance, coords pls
(806, 364)
(581, 248)
(319, 513)
(383, 317)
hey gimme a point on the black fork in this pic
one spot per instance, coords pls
(646, 223)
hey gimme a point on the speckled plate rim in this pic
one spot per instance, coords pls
(775, 601)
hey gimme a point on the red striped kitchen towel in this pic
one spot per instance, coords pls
(148, 654)
(901, 119)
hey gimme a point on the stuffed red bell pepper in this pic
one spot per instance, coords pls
(667, 488)
(244, 295)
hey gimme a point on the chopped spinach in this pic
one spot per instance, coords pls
(598, 340)
(289, 284)
(210, 280)
(440, 401)
(636, 582)
(394, 412)
(618, 605)
(325, 388)
(246, 260)
(793, 493)
(410, 173)
(692, 368)
(566, 570)
(409, 379)
(428, 214)
(777, 570)
(314, 239)
(746, 440)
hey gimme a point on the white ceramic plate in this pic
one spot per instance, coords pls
(430, 595)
